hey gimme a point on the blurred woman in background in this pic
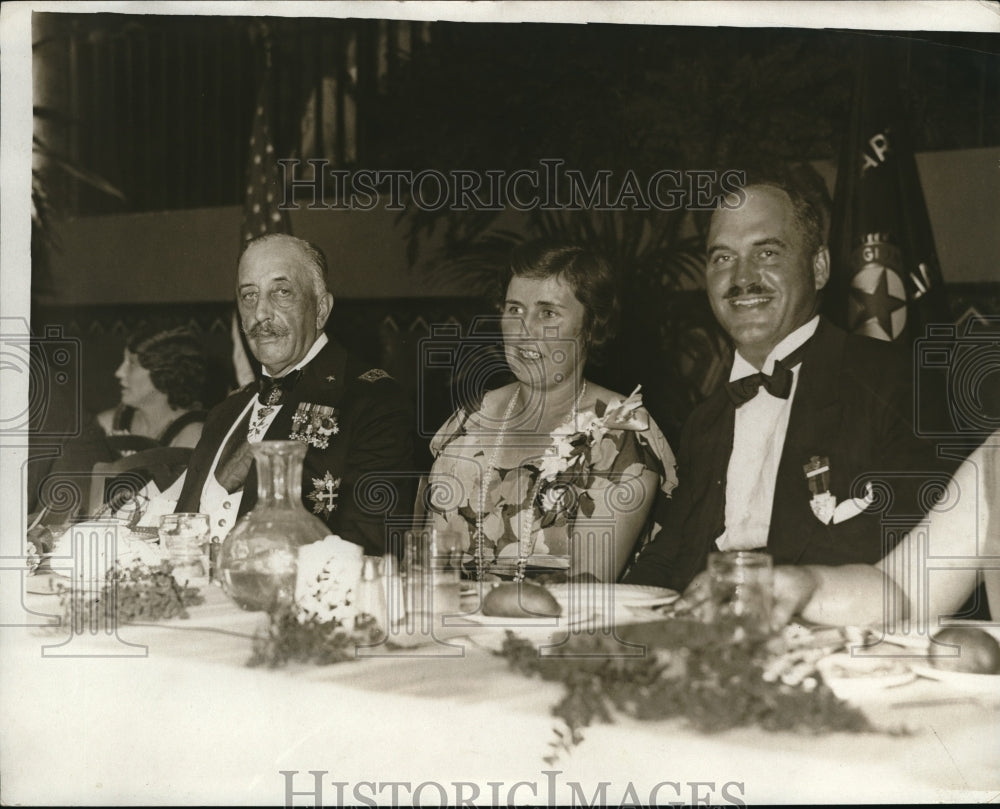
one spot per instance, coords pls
(162, 376)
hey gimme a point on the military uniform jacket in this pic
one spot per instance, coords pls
(373, 445)
(854, 407)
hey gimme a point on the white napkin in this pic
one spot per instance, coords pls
(327, 577)
(97, 536)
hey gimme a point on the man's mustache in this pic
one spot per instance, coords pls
(266, 330)
(752, 288)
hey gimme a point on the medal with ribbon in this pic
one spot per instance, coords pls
(270, 394)
(823, 503)
(313, 424)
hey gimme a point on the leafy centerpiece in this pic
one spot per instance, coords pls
(710, 676)
(331, 614)
(131, 582)
(130, 593)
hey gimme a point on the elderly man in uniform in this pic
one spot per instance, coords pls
(773, 460)
(352, 417)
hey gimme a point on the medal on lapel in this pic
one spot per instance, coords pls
(261, 419)
(324, 495)
(823, 503)
(271, 392)
(313, 424)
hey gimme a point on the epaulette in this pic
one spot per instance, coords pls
(374, 375)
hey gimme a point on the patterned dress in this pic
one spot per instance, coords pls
(512, 496)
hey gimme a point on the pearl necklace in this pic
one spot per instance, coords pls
(522, 535)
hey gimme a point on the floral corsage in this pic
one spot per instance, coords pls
(580, 445)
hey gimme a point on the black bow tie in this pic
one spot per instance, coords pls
(271, 389)
(778, 383)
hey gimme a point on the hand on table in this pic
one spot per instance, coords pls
(695, 599)
(793, 588)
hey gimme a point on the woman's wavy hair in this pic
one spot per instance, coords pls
(588, 274)
(176, 361)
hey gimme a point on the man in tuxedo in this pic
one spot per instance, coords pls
(352, 417)
(808, 453)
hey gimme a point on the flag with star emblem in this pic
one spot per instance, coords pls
(886, 279)
(261, 211)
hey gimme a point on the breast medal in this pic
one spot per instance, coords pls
(313, 424)
(324, 495)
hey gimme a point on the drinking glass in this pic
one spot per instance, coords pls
(184, 536)
(432, 565)
(741, 589)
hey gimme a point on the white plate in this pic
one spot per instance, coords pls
(506, 622)
(44, 584)
(507, 565)
(635, 593)
(622, 593)
(852, 678)
(964, 681)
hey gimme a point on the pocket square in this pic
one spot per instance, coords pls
(854, 506)
(828, 510)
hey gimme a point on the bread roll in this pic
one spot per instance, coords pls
(520, 600)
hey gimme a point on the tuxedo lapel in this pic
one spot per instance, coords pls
(707, 461)
(814, 428)
(213, 434)
(714, 439)
(215, 430)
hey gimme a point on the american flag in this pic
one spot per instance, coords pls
(261, 212)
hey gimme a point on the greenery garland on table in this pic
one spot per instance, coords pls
(289, 637)
(134, 593)
(697, 672)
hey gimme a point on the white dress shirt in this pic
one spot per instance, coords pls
(758, 439)
(222, 506)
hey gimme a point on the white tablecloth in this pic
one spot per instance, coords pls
(188, 722)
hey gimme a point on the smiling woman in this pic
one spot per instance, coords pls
(551, 471)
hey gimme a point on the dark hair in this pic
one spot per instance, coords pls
(588, 275)
(176, 362)
(807, 191)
